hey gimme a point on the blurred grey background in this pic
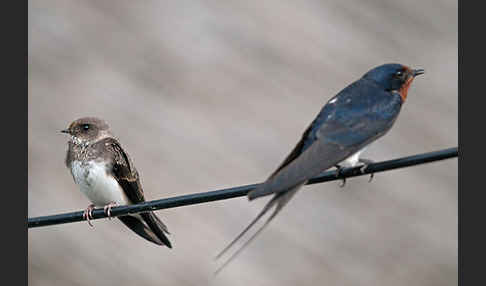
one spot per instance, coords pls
(213, 94)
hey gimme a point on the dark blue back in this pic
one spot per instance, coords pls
(360, 113)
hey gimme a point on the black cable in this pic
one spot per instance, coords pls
(224, 194)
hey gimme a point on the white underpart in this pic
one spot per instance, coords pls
(100, 188)
(76, 140)
(352, 160)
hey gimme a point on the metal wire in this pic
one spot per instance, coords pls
(240, 191)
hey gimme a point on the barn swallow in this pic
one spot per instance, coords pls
(357, 116)
(106, 175)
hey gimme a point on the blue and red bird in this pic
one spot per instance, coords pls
(350, 121)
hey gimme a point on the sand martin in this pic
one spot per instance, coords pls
(107, 176)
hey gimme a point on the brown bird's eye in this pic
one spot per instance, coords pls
(86, 126)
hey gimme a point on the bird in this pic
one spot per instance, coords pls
(350, 121)
(107, 176)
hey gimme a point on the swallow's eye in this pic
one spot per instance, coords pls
(86, 126)
(399, 74)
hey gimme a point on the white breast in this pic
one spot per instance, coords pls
(352, 160)
(100, 188)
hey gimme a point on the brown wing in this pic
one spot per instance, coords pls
(124, 171)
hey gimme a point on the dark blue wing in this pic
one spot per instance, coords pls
(358, 115)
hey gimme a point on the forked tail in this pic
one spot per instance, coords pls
(280, 199)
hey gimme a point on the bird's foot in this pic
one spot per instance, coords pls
(338, 173)
(366, 162)
(88, 214)
(108, 207)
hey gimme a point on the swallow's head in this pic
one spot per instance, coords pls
(87, 129)
(394, 77)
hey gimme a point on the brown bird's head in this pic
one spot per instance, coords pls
(87, 130)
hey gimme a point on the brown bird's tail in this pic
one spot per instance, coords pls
(154, 230)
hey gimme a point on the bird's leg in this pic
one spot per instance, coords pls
(366, 162)
(88, 214)
(338, 173)
(108, 207)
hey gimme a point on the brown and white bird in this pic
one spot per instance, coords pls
(107, 176)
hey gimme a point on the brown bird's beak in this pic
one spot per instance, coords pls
(418, 72)
(65, 131)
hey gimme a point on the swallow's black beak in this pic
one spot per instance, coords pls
(65, 131)
(418, 72)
